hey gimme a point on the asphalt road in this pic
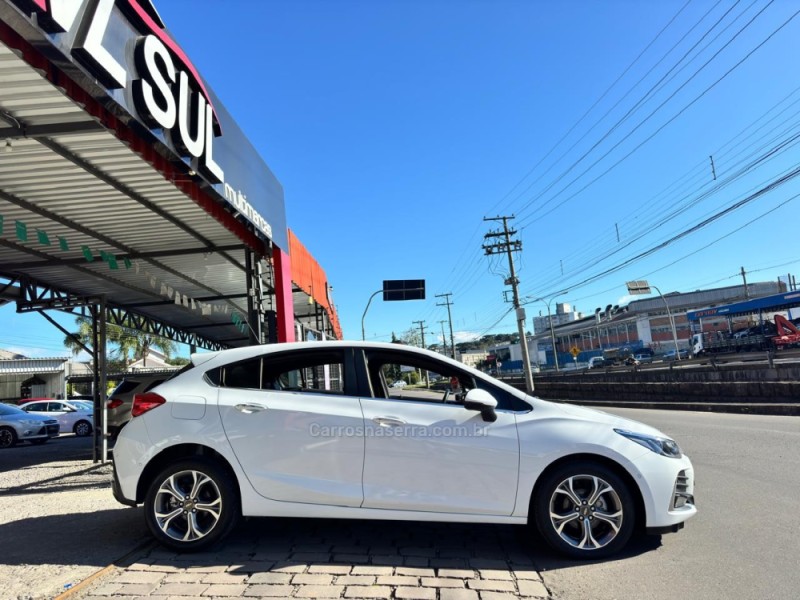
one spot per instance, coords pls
(743, 544)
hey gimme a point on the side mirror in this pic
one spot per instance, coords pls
(483, 402)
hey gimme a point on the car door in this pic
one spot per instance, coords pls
(426, 452)
(51, 410)
(36, 408)
(66, 416)
(295, 423)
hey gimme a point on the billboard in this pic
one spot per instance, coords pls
(120, 51)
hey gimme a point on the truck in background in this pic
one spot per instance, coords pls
(776, 335)
(625, 355)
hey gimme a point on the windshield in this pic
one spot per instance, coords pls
(7, 409)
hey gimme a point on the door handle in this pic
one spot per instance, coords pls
(249, 409)
(388, 421)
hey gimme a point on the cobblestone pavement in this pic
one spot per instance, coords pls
(306, 558)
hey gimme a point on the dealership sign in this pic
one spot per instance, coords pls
(123, 44)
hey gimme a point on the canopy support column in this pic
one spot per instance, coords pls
(283, 295)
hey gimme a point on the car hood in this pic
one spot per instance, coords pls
(590, 415)
(25, 417)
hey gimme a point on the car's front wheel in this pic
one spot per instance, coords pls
(191, 505)
(8, 437)
(584, 510)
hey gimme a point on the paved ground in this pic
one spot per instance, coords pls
(59, 525)
(282, 558)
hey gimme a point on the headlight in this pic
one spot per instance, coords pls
(659, 445)
(30, 422)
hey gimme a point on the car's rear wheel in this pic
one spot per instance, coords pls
(192, 504)
(82, 428)
(584, 510)
(8, 437)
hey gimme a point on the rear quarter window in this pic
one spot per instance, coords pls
(125, 387)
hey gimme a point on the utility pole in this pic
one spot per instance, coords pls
(447, 303)
(444, 339)
(421, 330)
(422, 334)
(744, 278)
(509, 246)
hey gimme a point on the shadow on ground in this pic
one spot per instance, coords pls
(272, 544)
(86, 538)
(63, 448)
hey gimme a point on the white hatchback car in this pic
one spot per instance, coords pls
(313, 430)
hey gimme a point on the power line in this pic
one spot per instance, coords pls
(588, 111)
(538, 217)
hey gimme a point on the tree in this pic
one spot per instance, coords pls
(412, 337)
(129, 345)
(178, 361)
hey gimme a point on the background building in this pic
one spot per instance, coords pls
(641, 324)
(564, 313)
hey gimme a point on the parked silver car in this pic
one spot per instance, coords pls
(76, 417)
(17, 426)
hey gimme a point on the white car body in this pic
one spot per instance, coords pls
(301, 454)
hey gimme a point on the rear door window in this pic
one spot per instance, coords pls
(304, 371)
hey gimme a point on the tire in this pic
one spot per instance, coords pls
(568, 503)
(8, 437)
(39, 441)
(185, 523)
(82, 428)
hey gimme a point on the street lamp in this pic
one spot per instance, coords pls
(550, 321)
(642, 287)
(364, 316)
(552, 333)
(597, 312)
(394, 290)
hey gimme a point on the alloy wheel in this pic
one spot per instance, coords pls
(586, 512)
(187, 505)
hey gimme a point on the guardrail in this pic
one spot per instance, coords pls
(737, 383)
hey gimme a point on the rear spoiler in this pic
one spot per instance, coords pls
(198, 358)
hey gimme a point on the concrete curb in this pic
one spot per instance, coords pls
(123, 562)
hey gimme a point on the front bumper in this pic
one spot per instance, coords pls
(667, 486)
(668, 529)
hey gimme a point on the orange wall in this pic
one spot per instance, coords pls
(311, 278)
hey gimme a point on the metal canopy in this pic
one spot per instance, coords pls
(85, 216)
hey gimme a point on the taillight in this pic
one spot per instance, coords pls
(113, 403)
(145, 402)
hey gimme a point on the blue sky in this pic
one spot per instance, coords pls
(396, 126)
